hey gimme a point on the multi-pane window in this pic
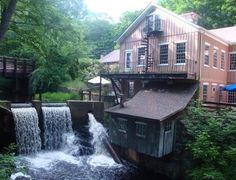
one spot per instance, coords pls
(231, 97)
(168, 126)
(205, 92)
(164, 54)
(232, 62)
(141, 128)
(141, 55)
(206, 58)
(222, 65)
(180, 52)
(122, 125)
(215, 57)
(128, 59)
(221, 88)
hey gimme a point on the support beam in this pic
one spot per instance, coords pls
(100, 89)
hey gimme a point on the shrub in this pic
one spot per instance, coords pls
(7, 162)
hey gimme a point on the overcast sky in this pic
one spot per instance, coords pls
(115, 8)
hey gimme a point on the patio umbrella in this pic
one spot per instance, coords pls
(230, 87)
(96, 80)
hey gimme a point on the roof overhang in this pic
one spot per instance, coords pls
(152, 6)
(159, 103)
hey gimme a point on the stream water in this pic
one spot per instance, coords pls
(63, 158)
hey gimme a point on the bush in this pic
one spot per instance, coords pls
(211, 142)
(7, 160)
(58, 97)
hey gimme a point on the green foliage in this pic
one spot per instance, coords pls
(214, 13)
(212, 142)
(58, 97)
(7, 162)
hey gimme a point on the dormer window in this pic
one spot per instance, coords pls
(153, 24)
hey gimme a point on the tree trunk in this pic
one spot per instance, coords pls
(6, 17)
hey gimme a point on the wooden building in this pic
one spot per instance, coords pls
(165, 54)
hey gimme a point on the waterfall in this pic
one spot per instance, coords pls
(27, 130)
(57, 122)
(98, 132)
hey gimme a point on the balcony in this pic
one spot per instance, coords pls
(172, 70)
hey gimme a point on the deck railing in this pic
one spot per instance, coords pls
(171, 68)
(15, 67)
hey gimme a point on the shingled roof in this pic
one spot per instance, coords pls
(157, 103)
(111, 57)
(228, 33)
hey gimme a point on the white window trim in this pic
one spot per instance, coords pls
(131, 59)
(180, 41)
(180, 64)
(233, 52)
(214, 84)
(222, 51)
(205, 83)
(206, 65)
(221, 85)
(164, 43)
(215, 48)
(163, 64)
(215, 67)
(208, 44)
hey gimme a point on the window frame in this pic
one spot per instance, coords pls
(140, 129)
(128, 51)
(222, 60)
(167, 54)
(205, 92)
(181, 61)
(139, 60)
(230, 61)
(215, 57)
(206, 54)
(231, 97)
(123, 124)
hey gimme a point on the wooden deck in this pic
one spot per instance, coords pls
(16, 67)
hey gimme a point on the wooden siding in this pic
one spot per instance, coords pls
(173, 31)
(128, 139)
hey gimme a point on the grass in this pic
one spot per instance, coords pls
(58, 97)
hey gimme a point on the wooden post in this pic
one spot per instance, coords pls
(15, 67)
(90, 95)
(24, 67)
(100, 89)
(4, 66)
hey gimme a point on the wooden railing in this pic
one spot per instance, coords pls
(171, 68)
(16, 67)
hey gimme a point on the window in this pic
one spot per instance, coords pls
(141, 55)
(206, 58)
(221, 88)
(231, 97)
(164, 54)
(140, 129)
(215, 57)
(205, 91)
(131, 89)
(222, 64)
(128, 59)
(122, 125)
(180, 52)
(168, 126)
(232, 62)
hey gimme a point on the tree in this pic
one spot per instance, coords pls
(7, 10)
(125, 20)
(214, 13)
